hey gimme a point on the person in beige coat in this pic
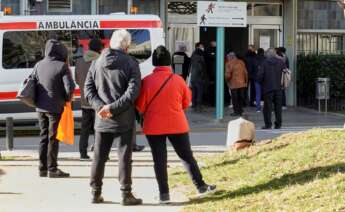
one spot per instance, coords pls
(236, 77)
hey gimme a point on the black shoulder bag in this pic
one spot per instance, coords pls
(153, 98)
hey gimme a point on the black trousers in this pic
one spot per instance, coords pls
(49, 146)
(181, 145)
(284, 98)
(104, 141)
(87, 124)
(273, 98)
(197, 94)
(238, 99)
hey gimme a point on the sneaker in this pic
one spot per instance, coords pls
(97, 197)
(92, 147)
(164, 198)
(129, 199)
(206, 189)
(43, 173)
(84, 157)
(58, 174)
(258, 111)
(138, 148)
(284, 108)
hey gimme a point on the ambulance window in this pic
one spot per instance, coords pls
(24, 49)
(140, 47)
(141, 44)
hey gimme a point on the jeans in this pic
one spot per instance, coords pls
(258, 95)
(270, 99)
(104, 141)
(49, 146)
(181, 145)
(197, 94)
(87, 124)
(252, 94)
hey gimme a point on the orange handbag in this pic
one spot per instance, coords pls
(65, 131)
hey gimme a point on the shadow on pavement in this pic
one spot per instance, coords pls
(10, 193)
(299, 178)
(149, 204)
(112, 177)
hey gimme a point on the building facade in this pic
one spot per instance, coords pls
(302, 26)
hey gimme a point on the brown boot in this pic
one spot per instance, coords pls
(129, 199)
(97, 197)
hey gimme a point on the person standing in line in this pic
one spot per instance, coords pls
(258, 92)
(163, 98)
(111, 88)
(236, 77)
(55, 87)
(186, 61)
(282, 55)
(88, 114)
(210, 59)
(198, 73)
(250, 61)
(269, 75)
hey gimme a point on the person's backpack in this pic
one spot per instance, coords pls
(27, 91)
(286, 78)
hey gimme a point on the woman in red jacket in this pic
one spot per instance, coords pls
(163, 98)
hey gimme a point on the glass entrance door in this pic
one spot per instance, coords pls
(265, 36)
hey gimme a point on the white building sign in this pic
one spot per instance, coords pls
(222, 14)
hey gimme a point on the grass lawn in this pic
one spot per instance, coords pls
(296, 172)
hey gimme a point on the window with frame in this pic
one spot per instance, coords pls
(59, 5)
(24, 49)
(320, 43)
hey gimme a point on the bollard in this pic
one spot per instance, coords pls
(9, 133)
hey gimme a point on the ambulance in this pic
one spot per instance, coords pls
(23, 38)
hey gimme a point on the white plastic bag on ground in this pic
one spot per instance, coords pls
(240, 130)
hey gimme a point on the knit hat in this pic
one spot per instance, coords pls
(96, 45)
(161, 57)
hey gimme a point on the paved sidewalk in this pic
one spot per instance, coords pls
(22, 190)
(292, 117)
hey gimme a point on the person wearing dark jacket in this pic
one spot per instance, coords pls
(258, 94)
(269, 75)
(250, 60)
(111, 88)
(169, 103)
(198, 73)
(88, 114)
(186, 61)
(55, 87)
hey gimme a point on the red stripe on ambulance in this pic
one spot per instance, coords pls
(130, 24)
(19, 25)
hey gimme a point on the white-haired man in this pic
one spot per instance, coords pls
(269, 76)
(111, 87)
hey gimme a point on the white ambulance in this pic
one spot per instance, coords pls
(23, 38)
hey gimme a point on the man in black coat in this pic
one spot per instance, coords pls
(55, 87)
(270, 75)
(197, 78)
(251, 65)
(111, 88)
